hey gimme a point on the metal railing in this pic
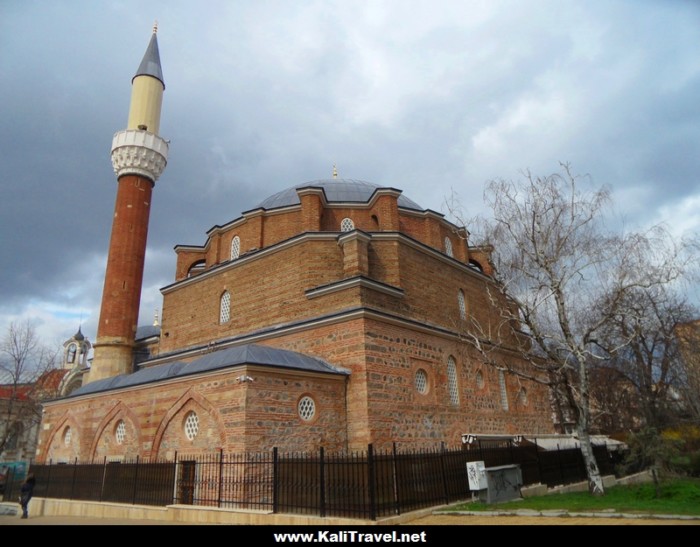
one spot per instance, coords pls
(368, 484)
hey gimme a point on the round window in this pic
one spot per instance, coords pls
(306, 408)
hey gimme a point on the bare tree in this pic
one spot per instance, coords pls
(561, 277)
(688, 338)
(23, 361)
(645, 350)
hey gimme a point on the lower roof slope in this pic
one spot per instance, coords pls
(251, 354)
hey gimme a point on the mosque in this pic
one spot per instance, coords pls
(330, 315)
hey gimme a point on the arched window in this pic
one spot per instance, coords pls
(235, 248)
(197, 267)
(421, 381)
(452, 380)
(120, 432)
(225, 308)
(462, 303)
(480, 383)
(504, 392)
(347, 225)
(72, 349)
(474, 265)
(522, 397)
(448, 246)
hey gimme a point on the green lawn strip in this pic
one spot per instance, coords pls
(678, 497)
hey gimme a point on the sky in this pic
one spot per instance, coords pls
(431, 97)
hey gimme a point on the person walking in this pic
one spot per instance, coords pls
(25, 494)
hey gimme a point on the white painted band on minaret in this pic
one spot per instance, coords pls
(138, 152)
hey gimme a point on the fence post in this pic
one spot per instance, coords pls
(395, 473)
(275, 480)
(75, 470)
(561, 471)
(48, 479)
(510, 450)
(221, 475)
(539, 464)
(175, 479)
(372, 483)
(322, 471)
(104, 478)
(136, 481)
(443, 471)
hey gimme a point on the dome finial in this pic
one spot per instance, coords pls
(155, 27)
(335, 172)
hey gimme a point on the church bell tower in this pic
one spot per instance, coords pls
(139, 156)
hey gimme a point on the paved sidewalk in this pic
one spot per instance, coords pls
(7, 520)
(464, 518)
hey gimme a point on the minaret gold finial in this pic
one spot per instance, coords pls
(155, 27)
(335, 172)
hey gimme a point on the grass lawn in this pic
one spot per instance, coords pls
(678, 497)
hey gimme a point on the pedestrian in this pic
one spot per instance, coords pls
(26, 492)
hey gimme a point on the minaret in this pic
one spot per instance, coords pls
(139, 156)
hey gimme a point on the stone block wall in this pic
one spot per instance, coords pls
(231, 415)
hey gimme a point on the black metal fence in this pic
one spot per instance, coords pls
(365, 485)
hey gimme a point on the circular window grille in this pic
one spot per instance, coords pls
(448, 246)
(462, 304)
(421, 381)
(235, 248)
(67, 435)
(480, 379)
(120, 432)
(347, 225)
(452, 381)
(191, 425)
(306, 408)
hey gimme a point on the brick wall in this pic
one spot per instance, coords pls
(236, 416)
(261, 229)
(293, 296)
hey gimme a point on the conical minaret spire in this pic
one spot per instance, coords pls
(139, 156)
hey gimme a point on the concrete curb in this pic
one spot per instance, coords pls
(563, 513)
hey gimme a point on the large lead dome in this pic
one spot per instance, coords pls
(336, 191)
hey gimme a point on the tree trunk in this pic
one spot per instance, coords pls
(595, 480)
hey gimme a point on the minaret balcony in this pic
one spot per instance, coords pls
(138, 152)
